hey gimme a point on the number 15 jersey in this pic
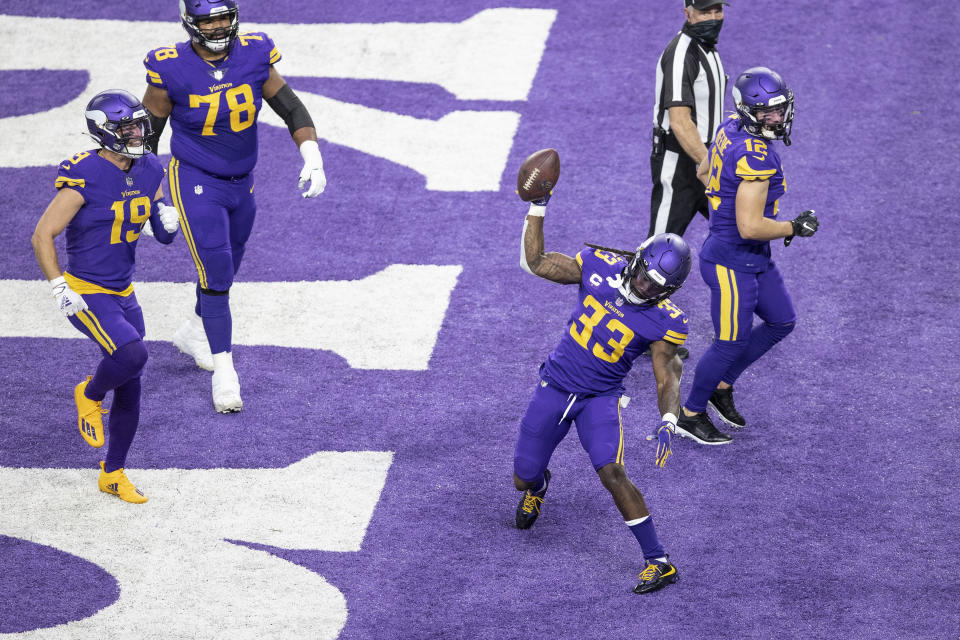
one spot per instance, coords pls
(606, 333)
(215, 104)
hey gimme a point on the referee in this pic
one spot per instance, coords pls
(690, 90)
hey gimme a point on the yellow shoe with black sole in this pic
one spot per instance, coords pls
(89, 415)
(116, 483)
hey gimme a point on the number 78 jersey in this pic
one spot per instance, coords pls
(215, 105)
(606, 333)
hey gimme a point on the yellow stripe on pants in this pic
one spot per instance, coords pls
(736, 303)
(620, 447)
(726, 299)
(174, 178)
(96, 330)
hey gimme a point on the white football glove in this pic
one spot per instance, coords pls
(312, 171)
(68, 301)
(146, 229)
(169, 217)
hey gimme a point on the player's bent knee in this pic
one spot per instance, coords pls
(218, 268)
(613, 476)
(132, 357)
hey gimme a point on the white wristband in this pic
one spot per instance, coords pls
(56, 282)
(669, 417)
(310, 151)
(537, 210)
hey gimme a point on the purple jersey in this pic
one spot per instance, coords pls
(607, 333)
(736, 156)
(102, 237)
(215, 104)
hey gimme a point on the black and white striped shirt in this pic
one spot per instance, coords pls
(692, 76)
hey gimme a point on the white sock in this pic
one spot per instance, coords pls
(222, 360)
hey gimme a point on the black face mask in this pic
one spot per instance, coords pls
(706, 32)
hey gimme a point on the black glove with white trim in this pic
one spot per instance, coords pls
(804, 225)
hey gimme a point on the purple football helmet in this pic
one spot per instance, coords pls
(193, 13)
(118, 122)
(764, 104)
(659, 268)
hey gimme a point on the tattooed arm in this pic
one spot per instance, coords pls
(552, 266)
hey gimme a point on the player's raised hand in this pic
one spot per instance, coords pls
(169, 218)
(664, 441)
(312, 171)
(69, 301)
(804, 225)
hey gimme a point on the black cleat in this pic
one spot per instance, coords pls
(721, 401)
(656, 576)
(683, 352)
(529, 508)
(699, 427)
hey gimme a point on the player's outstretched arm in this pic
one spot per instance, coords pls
(288, 106)
(667, 369)
(552, 266)
(54, 220)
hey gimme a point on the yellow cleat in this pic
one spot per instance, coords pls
(117, 484)
(89, 416)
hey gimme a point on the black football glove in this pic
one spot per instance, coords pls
(804, 225)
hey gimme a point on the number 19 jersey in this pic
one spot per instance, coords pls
(606, 333)
(102, 236)
(215, 104)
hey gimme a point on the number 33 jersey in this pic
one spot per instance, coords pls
(215, 104)
(605, 332)
(102, 237)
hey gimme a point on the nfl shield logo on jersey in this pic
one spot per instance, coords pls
(619, 302)
(129, 181)
(198, 189)
(217, 74)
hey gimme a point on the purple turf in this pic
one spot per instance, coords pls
(833, 515)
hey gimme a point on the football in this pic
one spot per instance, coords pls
(538, 174)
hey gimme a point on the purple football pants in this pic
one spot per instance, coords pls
(115, 323)
(216, 216)
(549, 416)
(735, 296)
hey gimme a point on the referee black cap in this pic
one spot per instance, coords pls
(703, 4)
